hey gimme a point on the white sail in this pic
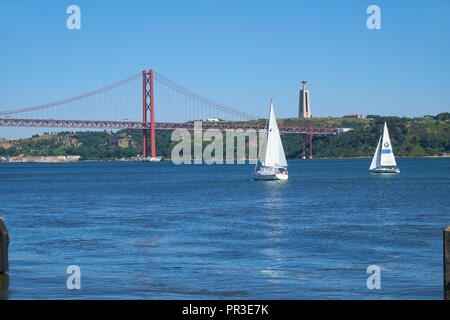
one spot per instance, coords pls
(376, 157)
(274, 153)
(387, 154)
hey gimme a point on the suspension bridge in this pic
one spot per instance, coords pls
(145, 101)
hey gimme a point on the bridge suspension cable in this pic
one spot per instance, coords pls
(120, 101)
(73, 99)
(190, 94)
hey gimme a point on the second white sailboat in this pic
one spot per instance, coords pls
(383, 160)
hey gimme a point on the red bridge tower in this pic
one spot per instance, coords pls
(148, 106)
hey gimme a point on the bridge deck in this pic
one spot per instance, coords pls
(97, 124)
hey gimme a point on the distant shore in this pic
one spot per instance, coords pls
(165, 160)
(364, 157)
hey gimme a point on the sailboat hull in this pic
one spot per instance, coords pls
(275, 176)
(385, 170)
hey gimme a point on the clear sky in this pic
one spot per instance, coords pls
(239, 53)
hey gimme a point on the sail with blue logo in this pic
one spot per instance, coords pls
(387, 154)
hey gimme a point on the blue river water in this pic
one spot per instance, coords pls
(161, 231)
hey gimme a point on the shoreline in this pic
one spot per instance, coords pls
(397, 157)
(168, 160)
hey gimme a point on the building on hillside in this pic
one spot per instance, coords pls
(304, 110)
(343, 130)
(22, 158)
(354, 116)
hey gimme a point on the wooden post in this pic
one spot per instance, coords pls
(447, 263)
(4, 285)
(4, 242)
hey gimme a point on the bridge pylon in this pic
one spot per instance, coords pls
(148, 106)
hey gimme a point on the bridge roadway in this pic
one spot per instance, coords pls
(98, 124)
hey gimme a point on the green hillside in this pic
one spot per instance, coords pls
(426, 136)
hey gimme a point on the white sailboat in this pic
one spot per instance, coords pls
(273, 165)
(383, 160)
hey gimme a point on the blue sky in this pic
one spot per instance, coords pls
(239, 53)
